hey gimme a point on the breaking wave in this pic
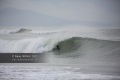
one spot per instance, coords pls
(73, 46)
(12, 31)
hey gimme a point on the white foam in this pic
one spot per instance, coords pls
(44, 31)
(24, 45)
(29, 45)
(9, 31)
(49, 73)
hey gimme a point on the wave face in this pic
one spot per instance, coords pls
(77, 46)
(78, 50)
(12, 31)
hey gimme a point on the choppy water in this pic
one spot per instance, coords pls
(49, 73)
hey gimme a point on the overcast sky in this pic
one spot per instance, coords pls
(96, 13)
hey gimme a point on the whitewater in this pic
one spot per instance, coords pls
(92, 54)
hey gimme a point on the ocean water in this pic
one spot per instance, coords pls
(83, 54)
(50, 73)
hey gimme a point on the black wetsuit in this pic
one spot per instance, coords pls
(58, 47)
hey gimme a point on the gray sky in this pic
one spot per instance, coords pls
(96, 13)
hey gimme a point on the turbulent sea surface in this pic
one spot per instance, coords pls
(83, 54)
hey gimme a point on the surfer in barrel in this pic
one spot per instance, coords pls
(58, 47)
